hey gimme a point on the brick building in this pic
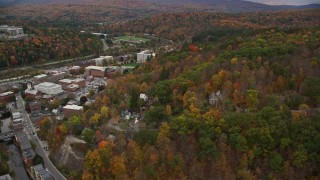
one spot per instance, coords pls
(95, 71)
(7, 97)
(71, 110)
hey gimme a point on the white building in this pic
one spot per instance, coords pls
(144, 97)
(6, 177)
(11, 29)
(143, 56)
(100, 60)
(49, 88)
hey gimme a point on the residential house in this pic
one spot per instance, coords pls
(144, 97)
(215, 98)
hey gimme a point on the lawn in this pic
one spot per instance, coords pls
(131, 38)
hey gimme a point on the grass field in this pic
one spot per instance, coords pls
(131, 38)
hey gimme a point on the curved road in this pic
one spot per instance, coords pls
(39, 149)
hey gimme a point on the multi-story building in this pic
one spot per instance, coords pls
(80, 82)
(143, 56)
(34, 106)
(6, 177)
(49, 88)
(6, 97)
(71, 110)
(39, 173)
(102, 59)
(72, 88)
(95, 71)
(32, 93)
(25, 146)
(40, 78)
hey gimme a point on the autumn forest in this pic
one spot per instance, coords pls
(237, 98)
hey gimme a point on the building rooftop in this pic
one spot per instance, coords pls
(31, 91)
(16, 115)
(78, 80)
(68, 81)
(95, 68)
(73, 107)
(23, 140)
(43, 173)
(58, 73)
(19, 120)
(6, 93)
(28, 153)
(47, 84)
(37, 167)
(6, 177)
(72, 86)
(145, 52)
(75, 67)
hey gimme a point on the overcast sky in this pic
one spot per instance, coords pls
(287, 2)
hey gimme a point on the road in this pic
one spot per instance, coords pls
(31, 131)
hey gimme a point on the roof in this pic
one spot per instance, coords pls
(6, 177)
(69, 81)
(58, 73)
(73, 86)
(44, 174)
(37, 167)
(145, 52)
(31, 91)
(23, 140)
(95, 68)
(16, 115)
(75, 67)
(40, 76)
(103, 58)
(6, 93)
(78, 80)
(19, 120)
(73, 107)
(28, 153)
(47, 84)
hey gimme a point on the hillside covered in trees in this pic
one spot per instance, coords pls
(240, 102)
(182, 26)
(46, 44)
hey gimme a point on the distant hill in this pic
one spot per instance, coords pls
(234, 5)
(229, 6)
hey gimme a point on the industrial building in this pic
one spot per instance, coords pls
(49, 88)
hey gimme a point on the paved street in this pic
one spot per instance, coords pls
(30, 130)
